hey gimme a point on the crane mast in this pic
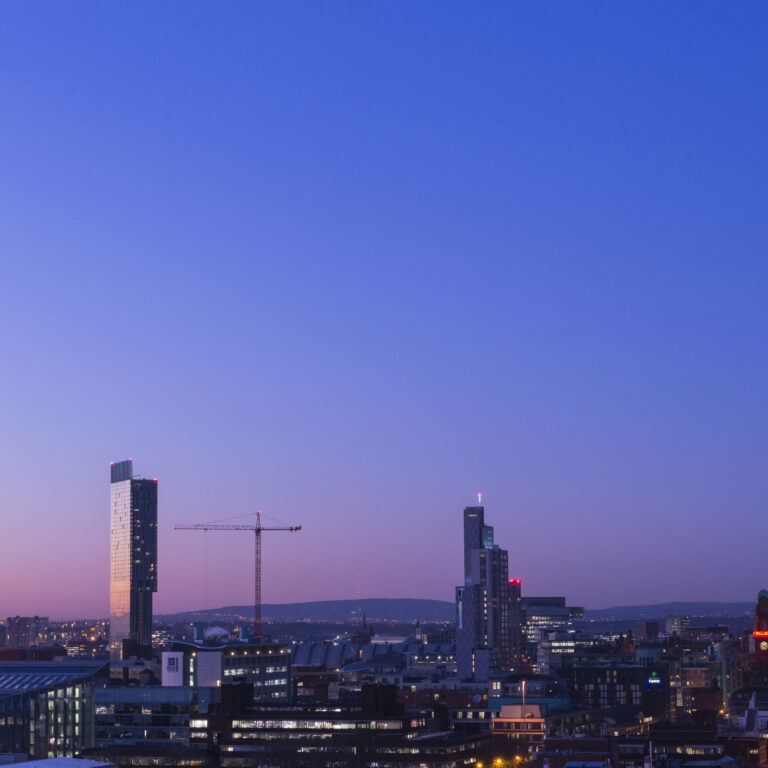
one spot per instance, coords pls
(257, 531)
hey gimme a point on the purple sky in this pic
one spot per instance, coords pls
(352, 263)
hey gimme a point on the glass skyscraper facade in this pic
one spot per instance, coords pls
(486, 604)
(133, 557)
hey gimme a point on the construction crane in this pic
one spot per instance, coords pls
(257, 531)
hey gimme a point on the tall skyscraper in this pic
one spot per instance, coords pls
(486, 604)
(133, 557)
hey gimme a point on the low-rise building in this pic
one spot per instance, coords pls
(47, 707)
(267, 666)
(147, 716)
(525, 725)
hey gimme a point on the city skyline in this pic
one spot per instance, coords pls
(245, 566)
(351, 265)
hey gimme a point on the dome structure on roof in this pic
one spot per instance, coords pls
(762, 593)
(215, 632)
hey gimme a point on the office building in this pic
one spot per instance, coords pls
(376, 731)
(380, 732)
(26, 631)
(606, 685)
(550, 614)
(133, 559)
(265, 666)
(486, 604)
(149, 715)
(676, 625)
(551, 646)
(46, 708)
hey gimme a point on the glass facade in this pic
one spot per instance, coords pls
(46, 708)
(149, 716)
(486, 609)
(119, 564)
(133, 557)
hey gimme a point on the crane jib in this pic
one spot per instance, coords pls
(257, 529)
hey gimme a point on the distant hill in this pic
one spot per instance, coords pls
(412, 609)
(660, 610)
(375, 609)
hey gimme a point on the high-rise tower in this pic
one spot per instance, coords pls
(133, 557)
(485, 638)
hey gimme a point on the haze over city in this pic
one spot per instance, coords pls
(352, 271)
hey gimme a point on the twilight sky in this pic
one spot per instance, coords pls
(351, 263)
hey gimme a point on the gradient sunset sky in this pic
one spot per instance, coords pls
(351, 263)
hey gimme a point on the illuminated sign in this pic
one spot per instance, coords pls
(654, 680)
(760, 633)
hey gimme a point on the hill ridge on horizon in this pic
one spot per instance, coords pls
(427, 609)
(675, 602)
(395, 608)
(676, 607)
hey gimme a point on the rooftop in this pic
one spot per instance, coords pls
(66, 762)
(18, 676)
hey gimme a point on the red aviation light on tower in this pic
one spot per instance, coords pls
(515, 581)
(480, 499)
